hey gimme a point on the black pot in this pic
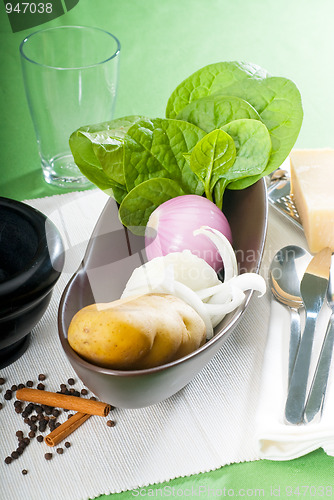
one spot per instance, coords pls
(31, 261)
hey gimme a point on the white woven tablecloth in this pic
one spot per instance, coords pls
(210, 423)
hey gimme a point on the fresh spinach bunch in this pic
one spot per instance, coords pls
(226, 126)
(276, 100)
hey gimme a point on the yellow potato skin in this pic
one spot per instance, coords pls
(136, 332)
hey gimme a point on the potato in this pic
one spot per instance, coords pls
(136, 332)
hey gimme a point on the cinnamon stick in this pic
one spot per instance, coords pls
(66, 428)
(63, 401)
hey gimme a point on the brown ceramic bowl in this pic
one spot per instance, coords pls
(111, 256)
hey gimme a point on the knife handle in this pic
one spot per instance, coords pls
(294, 408)
(320, 379)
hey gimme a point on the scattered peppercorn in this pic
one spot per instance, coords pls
(47, 409)
(42, 425)
(29, 408)
(44, 416)
(8, 395)
(52, 425)
(110, 423)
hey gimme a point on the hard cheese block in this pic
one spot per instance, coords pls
(312, 187)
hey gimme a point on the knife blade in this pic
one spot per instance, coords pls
(316, 396)
(313, 289)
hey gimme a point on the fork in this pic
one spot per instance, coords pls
(318, 387)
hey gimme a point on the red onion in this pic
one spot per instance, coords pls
(171, 227)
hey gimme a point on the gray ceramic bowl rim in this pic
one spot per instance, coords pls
(148, 371)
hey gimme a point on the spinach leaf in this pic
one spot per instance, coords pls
(277, 101)
(279, 105)
(155, 148)
(140, 202)
(253, 147)
(98, 151)
(210, 80)
(211, 159)
(212, 112)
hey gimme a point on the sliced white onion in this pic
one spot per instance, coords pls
(206, 293)
(184, 267)
(225, 249)
(238, 298)
(185, 293)
(250, 281)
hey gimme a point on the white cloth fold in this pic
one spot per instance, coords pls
(279, 440)
(210, 423)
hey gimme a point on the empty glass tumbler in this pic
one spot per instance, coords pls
(70, 76)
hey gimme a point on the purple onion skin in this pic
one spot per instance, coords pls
(170, 228)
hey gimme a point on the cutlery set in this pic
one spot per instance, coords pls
(297, 280)
(313, 289)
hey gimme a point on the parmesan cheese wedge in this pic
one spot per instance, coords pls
(312, 188)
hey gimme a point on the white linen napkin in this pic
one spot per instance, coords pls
(279, 440)
(210, 423)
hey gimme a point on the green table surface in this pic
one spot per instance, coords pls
(164, 41)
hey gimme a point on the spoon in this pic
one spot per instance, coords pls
(285, 274)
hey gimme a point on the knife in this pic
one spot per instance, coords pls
(313, 289)
(318, 387)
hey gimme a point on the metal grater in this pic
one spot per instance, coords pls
(279, 196)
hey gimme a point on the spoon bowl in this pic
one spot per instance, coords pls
(285, 274)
